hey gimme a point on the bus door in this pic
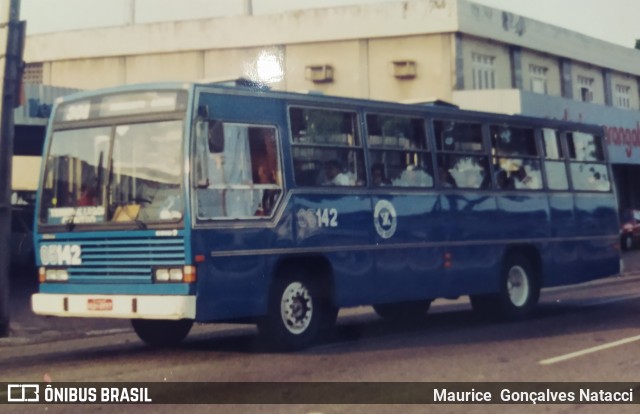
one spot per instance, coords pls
(239, 211)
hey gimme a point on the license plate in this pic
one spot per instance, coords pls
(100, 304)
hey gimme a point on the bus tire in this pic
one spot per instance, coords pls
(298, 310)
(403, 311)
(518, 295)
(162, 333)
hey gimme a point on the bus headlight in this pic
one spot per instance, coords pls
(54, 275)
(162, 275)
(185, 274)
(175, 275)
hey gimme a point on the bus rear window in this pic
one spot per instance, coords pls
(587, 167)
(584, 147)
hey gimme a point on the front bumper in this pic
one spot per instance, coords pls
(171, 307)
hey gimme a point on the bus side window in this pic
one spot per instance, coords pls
(239, 175)
(326, 147)
(465, 171)
(588, 170)
(555, 168)
(398, 151)
(515, 158)
(461, 158)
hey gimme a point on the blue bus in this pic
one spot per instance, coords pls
(170, 204)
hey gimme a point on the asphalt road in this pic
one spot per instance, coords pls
(586, 333)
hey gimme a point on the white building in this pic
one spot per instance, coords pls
(455, 50)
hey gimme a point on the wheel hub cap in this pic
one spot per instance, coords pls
(296, 308)
(518, 286)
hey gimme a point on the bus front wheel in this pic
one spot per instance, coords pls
(518, 295)
(298, 310)
(162, 333)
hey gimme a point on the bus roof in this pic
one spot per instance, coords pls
(244, 86)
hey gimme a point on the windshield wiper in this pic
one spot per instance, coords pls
(71, 221)
(141, 224)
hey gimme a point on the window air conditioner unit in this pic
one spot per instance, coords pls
(319, 73)
(404, 69)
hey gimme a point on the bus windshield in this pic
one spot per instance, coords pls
(117, 173)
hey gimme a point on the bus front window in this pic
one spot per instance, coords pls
(75, 176)
(144, 181)
(114, 174)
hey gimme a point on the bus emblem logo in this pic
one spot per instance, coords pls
(385, 219)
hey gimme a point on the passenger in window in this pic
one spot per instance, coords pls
(266, 177)
(503, 174)
(269, 196)
(448, 142)
(598, 181)
(414, 176)
(503, 180)
(446, 180)
(379, 178)
(524, 181)
(469, 172)
(88, 196)
(334, 175)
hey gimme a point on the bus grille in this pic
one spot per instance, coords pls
(125, 260)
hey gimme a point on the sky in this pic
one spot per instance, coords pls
(615, 21)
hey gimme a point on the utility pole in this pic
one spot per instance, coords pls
(12, 32)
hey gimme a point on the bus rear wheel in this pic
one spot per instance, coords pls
(518, 295)
(403, 311)
(162, 333)
(298, 310)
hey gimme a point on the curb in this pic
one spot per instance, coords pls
(620, 278)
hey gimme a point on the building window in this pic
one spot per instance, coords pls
(538, 76)
(622, 96)
(586, 88)
(32, 73)
(484, 72)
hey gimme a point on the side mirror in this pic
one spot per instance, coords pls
(202, 183)
(203, 111)
(216, 137)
